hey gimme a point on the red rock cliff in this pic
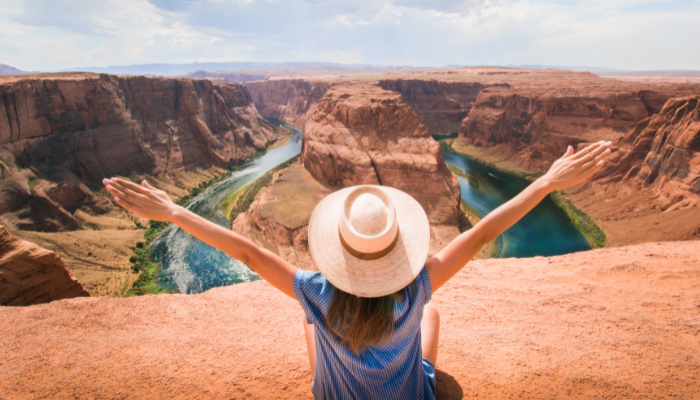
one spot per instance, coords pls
(290, 100)
(362, 134)
(441, 106)
(32, 275)
(72, 130)
(663, 153)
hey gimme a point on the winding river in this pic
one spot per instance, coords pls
(193, 267)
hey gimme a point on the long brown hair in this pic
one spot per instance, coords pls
(360, 322)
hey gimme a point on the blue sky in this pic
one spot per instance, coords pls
(626, 34)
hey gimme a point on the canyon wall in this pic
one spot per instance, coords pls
(60, 134)
(362, 134)
(441, 106)
(531, 126)
(32, 275)
(290, 100)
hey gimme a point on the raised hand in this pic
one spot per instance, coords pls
(144, 201)
(572, 168)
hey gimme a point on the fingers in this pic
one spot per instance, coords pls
(569, 152)
(125, 193)
(127, 205)
(596, 150)
(130, 185)
(592, 148)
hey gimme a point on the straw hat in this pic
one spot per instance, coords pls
(368, 240)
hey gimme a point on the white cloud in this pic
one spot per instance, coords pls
(626, 34)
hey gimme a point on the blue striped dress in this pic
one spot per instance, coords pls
(394, 370)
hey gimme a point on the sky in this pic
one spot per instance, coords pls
(49, 35)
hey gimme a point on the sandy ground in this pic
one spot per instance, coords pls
(99, 260)
(609, 323)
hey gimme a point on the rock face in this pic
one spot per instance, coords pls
(62, 133)
(533, 126)
(278, 219)
(441, 106)
(664, 154)
(291, 100)
(651, 182)
(610, 323)
(363, 134)
(32, 275)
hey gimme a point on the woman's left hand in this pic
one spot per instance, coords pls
(573, 169)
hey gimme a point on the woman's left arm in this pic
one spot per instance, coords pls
(568, 171)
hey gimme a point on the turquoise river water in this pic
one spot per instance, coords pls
(194, 267)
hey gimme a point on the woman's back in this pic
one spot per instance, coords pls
(392, 370)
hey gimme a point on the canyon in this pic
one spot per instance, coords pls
(522, 120)
(61, 134)
(359, 135)
(619, 321)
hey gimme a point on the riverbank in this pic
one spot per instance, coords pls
(142, 260)
(588, 227)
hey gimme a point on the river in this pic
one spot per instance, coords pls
(194, 267)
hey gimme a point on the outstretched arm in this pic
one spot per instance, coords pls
(149, 202)
(568, 171)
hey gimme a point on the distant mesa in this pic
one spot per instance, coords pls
(8, 70)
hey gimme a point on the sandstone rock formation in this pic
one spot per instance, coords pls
(609, 323)
(532, 126)
(60, 134)
(290, 100)
(664, 154)
(363, 134)
(32, 275)
(651, 182)
(441, 106)
(278, 219)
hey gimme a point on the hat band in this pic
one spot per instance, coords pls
(369, 256)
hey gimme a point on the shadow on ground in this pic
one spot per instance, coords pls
(447, 387)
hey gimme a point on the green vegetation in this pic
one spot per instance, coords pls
(581, 220)
(473, 182)
(446, 147)
(441, 136)
(248, 194)
(142, 263)
(33, 182)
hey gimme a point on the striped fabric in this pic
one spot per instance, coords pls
(395, 370)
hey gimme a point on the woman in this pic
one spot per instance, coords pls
(369, 330)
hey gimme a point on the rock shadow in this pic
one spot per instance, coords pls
(447, 387)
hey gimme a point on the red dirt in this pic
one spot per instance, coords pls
(617, 322)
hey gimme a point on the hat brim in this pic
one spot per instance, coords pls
(369, 278)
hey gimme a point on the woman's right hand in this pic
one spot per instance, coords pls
(144, 201)
(573, 169)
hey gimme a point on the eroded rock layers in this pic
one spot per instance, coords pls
(663, 153)
(362, 134)
(533, 126)
(61, 134)
(32, 275)
(290, 100)
(441, 106)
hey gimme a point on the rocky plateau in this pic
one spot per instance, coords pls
(610, 323)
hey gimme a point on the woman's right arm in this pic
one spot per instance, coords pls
(151, 203)
(568, 171)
